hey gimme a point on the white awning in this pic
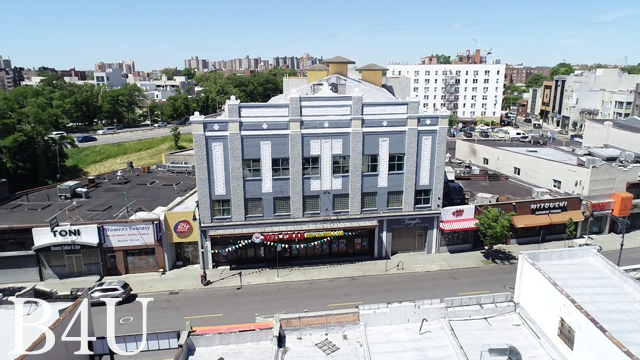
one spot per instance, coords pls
(327, 226)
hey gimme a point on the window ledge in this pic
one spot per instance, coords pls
(253, 178)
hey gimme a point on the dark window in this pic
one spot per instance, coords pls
(341, 202)
(423, 197)
(340, 165)
(396, 162)
(311, 203)
(253, 207)
(311, 165)
(251, 168)
(280, 167)
(566, 334)
(369, 164)
(369, 201)
(394, 199)
(282, 205)
(221, 208)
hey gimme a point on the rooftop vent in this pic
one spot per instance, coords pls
(532, 150)
(606, 154)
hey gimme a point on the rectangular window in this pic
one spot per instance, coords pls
(486, 81)
(475, 73)
(484, 97)
(311, 204)
(473, 97)
(475, 81)
(253, 207)
(474, 89)
(340, 165)
(486, 73)
(427, 73)
(416, 81)
(282, 205)
(370, 164)
(369, 201)
(416, 73)
(251, 168)
(457, 72)
(221, 208)
(485, 89)
(566, 334)
(483, 113)
(426, 89)
(423, 197)
(394, 199)
(280, 167)
(341, 202)
(396, 162)
(557, 184)
(497, 81)
(311, 165)
(516, 171)
(472, 113)
(485, 161)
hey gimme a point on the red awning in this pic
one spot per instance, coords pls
(458, 225)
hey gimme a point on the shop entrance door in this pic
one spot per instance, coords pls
(75, 265)
(408, 239)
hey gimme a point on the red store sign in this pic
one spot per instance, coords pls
(288, 236)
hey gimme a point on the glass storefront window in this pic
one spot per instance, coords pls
(141, 258)
(454, 238)
(54, 258)
(91, 256)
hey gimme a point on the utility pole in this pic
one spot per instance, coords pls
(622, 222)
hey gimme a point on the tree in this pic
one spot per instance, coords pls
(571, 229)
(633, 69)
(453, 120)
(494, 226)
(168, 72)
(442, 59)
(175, 133)
(562, 68)
(535, 81)
(189, 73)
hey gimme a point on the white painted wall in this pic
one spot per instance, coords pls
(599, 134)
(544, 303)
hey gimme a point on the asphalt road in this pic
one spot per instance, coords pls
(220, 306)
(126, 136)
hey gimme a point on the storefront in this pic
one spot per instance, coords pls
(130, 248)
(457, 228)
(183, 234)
(18, 262)
(541, 219)
(67, 251)
(292, 244)
(411, 234)
(598, 215)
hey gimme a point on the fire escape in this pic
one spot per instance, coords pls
(451, 90)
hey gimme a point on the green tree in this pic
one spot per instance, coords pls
(442, 59)
(453, 120)
(189, 73)
(633, 69)
(562, 68)
(168, 72)
(571, 229)
(494, 226)
(175, 133)
(535, 81)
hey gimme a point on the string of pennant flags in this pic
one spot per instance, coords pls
(242, 243)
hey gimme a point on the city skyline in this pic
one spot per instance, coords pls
(363, 34)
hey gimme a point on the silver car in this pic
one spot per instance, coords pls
(109, 289)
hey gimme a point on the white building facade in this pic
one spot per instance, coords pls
(467, 90)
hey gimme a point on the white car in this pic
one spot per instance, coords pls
(160, 124)
(58, 134)
(482, 127)
(107, 130)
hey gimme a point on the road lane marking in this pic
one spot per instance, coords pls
(345, 304)
(202, 316)
(474, 293)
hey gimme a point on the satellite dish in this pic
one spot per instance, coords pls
(334, 88)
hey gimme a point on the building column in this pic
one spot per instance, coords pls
(296, 154)
(203, 180)
(410, 166)
(235, 160)
(440, 163)
(355, 153)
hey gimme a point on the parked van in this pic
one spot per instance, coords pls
(516, 134)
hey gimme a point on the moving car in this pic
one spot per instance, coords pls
(528, 120)
(160, 124)
(109, 290)
(58, 133)
(484, 134)
(118, 126)
(85, 139)
(563, 132)
(576, 137)
(107, 130)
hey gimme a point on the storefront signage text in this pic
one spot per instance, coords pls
(549, 207)
(66, 233)
(295, 236)
(182, 227)
(65, 247)
(44, 238)
(117, 235)
(411, 222)
(458, 213)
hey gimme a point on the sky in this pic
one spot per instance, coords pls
(162, 33)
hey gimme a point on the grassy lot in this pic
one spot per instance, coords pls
(99, 159)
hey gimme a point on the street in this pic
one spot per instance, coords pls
(220, 306)
(125, 136)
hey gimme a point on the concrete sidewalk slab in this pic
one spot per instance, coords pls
(189, 277)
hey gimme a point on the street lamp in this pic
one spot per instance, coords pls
(622, 222)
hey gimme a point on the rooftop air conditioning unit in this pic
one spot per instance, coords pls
(484, 198)
(590, 161)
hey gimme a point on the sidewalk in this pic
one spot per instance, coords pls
(189, 277)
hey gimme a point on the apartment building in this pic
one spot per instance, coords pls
(199, 65)
(5, 63)
(241, 64)
(518, 74)
(127, 66)
(471, 91)
(111, 78)
(335, 169)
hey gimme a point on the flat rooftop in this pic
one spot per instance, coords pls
(609, 295)
(143, 192)
(631, 124)
(545, 153)
(32, 314)
(506, 188)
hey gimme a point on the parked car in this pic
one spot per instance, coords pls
(183, 121)
(118, 126)
(596, 246)
(537, 126)
(505, 122)
(107, 130)
(527, 120)
(484, 134)
(58, 134)
(482, 127)
(109, 290)
(85, 139)
(468, 134)
(467, 129)
(563, 132)
(160, 124)
(576, 137)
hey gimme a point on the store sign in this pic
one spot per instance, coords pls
(288, 236)
(323, 234)
(182, 227)
(65, 235)
(407, 222)
(295, 236)
(553, 207)
(458, 213)
(135, 234)
(65, 247)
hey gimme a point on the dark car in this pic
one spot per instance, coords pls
(118, 126)
(576, 137)
(468, 134)
(537, 126)
(506, 122)
(484, 134)
(527, 120)
(183, 121)
(85, 139)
